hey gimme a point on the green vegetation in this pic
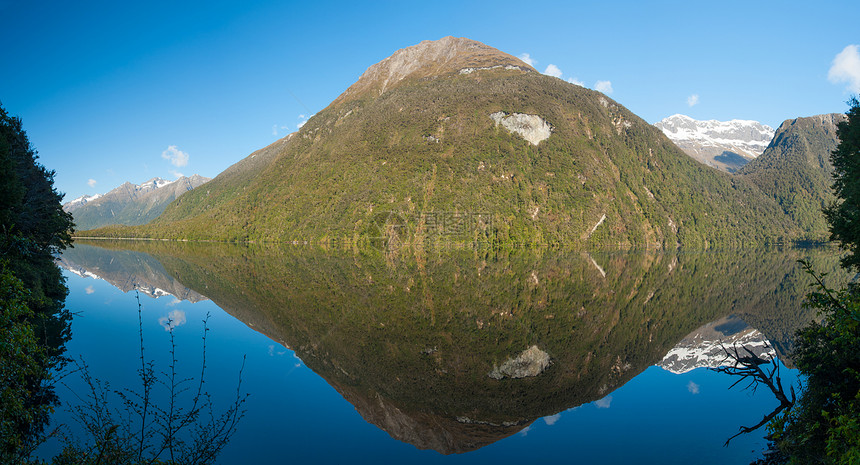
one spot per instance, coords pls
(25, 404)
(844, 216)
(795, 171)
(33, 320)
(429, 146)
(824, 425)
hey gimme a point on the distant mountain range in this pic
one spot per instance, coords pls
(452, 140)
(725, 145)
(126, 270)
(129, 204)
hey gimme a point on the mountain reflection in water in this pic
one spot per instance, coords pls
(419, 343)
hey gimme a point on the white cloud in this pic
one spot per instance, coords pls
(693, 100)
(525, 431)
(552, 70)
(528, 59)
(91, 182)
(575, 82)
(304, 120)
(273, 352)
(176, 157)
(176, 174)
(603, 86)
(172, 320)
(89, 290)
(550, 420)
(846, 68)
(693, 387)
(276, 129)
(604, 403)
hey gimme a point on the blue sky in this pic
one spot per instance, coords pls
(121, 91)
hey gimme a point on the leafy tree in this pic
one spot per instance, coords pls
(30, 207)
(844, 215)
(34, 325)
(23, 364)
(824, 425)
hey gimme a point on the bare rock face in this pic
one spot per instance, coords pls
(531, 362)
(430, 58)
(532, 128)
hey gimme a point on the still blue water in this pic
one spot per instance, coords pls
(294, 416)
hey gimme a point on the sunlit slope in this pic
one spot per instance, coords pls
(795, 170)
(425, 161)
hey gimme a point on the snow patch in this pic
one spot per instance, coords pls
(472, 70)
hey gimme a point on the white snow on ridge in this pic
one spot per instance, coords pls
(84, 273)
(747, 136)
(154, 183)
(699, 350)
(83, 199)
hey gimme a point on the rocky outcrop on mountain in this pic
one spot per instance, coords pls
(130, 204)
(530, 127)
(531, 362)
(427, 59)
(725, 145)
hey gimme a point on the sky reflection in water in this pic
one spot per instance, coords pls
(295, 415)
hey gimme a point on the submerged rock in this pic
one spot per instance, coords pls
(531, 362)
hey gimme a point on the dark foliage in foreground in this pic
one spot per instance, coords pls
(33, 322)
(844, 215)
(824, 424)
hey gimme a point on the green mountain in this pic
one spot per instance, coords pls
(795, 170)
(454, 141)
(130, 204)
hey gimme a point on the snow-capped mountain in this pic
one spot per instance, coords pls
(125, 270)
(706, 346)
(80, 202)
(726, 145)
(129, 204)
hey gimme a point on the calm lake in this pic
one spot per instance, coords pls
(443, 357)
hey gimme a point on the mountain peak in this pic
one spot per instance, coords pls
(130, 203)
(430, 58)
(725, 145)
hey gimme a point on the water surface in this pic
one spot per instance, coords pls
(363, 355)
